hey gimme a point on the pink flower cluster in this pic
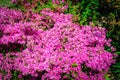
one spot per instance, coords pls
(56, 48)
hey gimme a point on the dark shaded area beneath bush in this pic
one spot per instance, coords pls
(11, 47)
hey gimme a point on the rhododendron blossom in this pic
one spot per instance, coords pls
(53, 47)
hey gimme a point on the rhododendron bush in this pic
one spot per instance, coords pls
(50, 46)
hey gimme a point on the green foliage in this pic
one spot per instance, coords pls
(18, 7)
(86, 11)
(15, 75)
(115, 69)
(30, 1)
(39, 7)
(74, 65)
(110, 19)
(8, 3)
(89, 11)
(68, 76)
(74, 9)
(107, 48)
(5, 3)
(107, 78)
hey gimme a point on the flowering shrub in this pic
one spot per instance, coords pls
(50, 46)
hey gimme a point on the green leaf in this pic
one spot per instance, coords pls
(107, 78)
(74, 65)
(118, 52)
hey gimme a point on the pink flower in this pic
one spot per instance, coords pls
(52, 45)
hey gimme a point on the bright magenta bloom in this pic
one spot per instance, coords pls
(52, 46)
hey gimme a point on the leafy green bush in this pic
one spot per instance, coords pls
(86, 11)
(109, 12)
(5, 3)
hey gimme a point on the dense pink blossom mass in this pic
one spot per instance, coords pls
(51, 46)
